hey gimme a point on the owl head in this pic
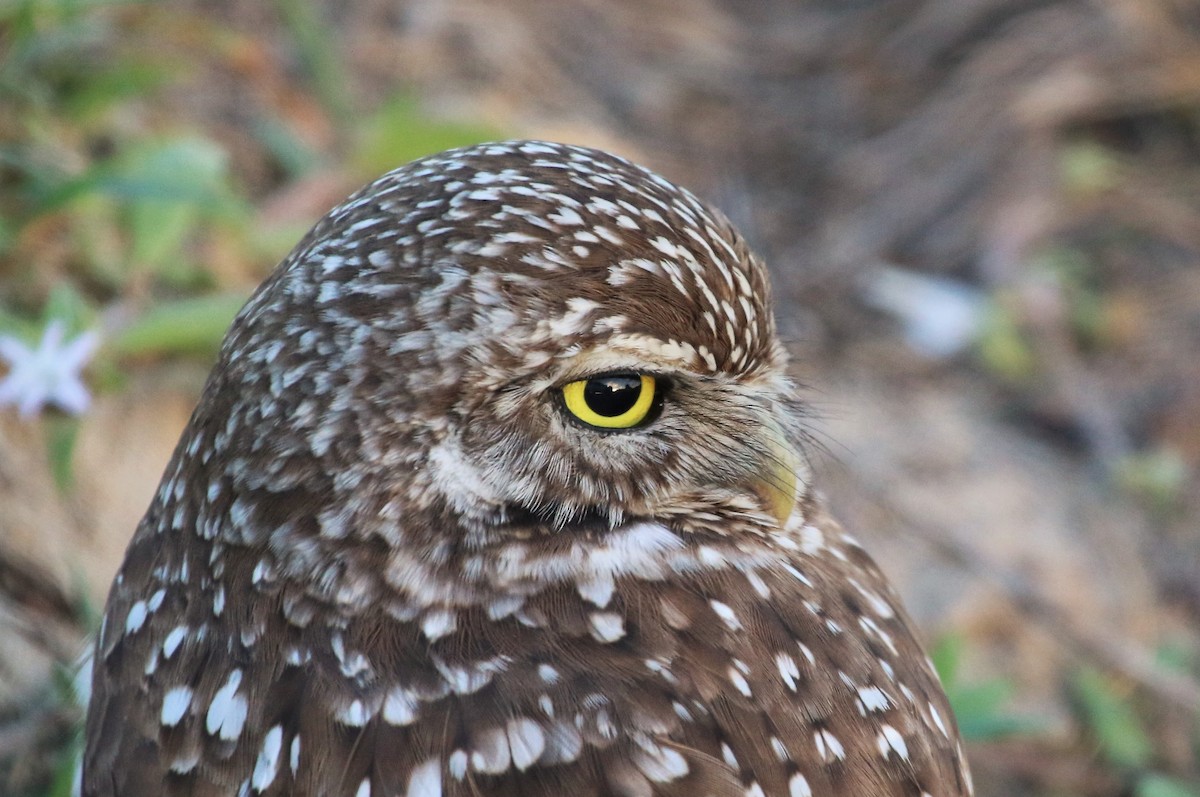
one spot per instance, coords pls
(513, 335)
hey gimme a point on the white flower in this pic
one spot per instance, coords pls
(48, 374)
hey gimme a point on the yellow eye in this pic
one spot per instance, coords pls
(612, 401)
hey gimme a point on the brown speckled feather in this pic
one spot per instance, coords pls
(386, 560)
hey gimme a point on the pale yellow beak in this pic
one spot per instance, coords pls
(776, 482)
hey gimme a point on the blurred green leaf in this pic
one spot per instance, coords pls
(66, 304)
(61, 431)
(186, 326)
(115, 81)
(1074, 275)
(53, 49)
(1065, 264)
(158, 231)
(1158, 476)
(986, 697)
(399, 132)
(187, 169)
(947, 656)
(97, 240)
(1003, 348)
(106, 374)
(138, 212)
(1176, 655)
(86, 610)
(19, 326)
(1155, 785)
(1089, 313)
(988, 727)
(63, 784)
(979, 707)
(292, 154)
(981, 713)
(6, 235)
(1112, 720)
(318, 53)
(1089, 168)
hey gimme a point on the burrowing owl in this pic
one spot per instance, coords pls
(495, 490)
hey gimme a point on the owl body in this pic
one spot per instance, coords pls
(495, 490)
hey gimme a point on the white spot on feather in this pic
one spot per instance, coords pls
(176, 703)
(355, 715)
(491, 754)
(879, 606)
(526, 741)
(439, 623)
(457, 764)
(829, 747)
(267, 764)
(890, 740)
(726, 614)
(575, 319)
(803, 579)
(136, 617)
(186, 762)
(788, 670)
(566, 216)
(760, 587)
(400, 707)
(425, 780)
(174, 640)
(597, 590)
(739, 681)
(812, 540)
(466, 679)
(563, 744)
(227, 712)
(607, 626)
(937, 720)
(661, 764)
(873, 698)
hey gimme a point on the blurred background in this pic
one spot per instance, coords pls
(983, 219)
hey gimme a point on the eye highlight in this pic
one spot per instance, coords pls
(613, 401)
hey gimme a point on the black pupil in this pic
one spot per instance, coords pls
(612, 396)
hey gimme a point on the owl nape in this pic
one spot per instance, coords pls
(495, 489)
